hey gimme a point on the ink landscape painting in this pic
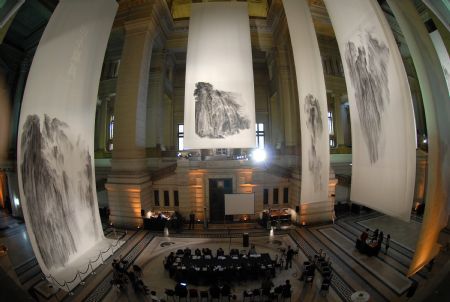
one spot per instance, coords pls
(367, 60)
(218, 114)
(315, 126)
(57, 182)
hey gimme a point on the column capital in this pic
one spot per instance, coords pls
(139, 26)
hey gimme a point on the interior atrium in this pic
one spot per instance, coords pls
(156, 195)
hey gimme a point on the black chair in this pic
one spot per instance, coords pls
(287, 295)
(215, 296)
(170, 293)
(193, 294)
(256, 294)
(225, 292)
(324, 288)
(309, 278)
(277, 292)
(204, 295)
(248, 295)
(182, 295)
(267, 295)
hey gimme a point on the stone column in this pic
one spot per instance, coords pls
(102, 123)
(5, 116)
(289, 111)
(155, 122)
(167, 139)
(338, 129)
(345, 122)
(129, 183)
(17, 102)
(13, 189)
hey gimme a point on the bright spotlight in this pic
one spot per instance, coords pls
(259, 155)
(16, 201)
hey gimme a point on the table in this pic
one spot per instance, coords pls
(224, 267)
(360, 296)
(370, 248)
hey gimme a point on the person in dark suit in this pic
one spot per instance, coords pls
(192, 220)
(289, 256)
(364, 236)
(388, 242)
(286, 289)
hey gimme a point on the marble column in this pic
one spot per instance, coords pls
(286, 98)
(101, 125)
(17, 102)
(5, 116)
(345, 119)
(167, 138)
(129, 183)
(13, 189)
(155, 122)
(338, 122)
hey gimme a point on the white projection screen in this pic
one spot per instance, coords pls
(56, 136)
(381, 111)
(239, 203)
(219, 105)
(312, 102)
(442, 54)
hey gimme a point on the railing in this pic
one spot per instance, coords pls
(65, 284)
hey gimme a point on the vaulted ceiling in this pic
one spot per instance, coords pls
(29, 24)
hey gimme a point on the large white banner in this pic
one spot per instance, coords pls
(381, 112)
(312, 102)
(442, 54)
(436, 102)
(56, 135)
(219, 105)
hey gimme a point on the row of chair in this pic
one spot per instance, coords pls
(194, 294)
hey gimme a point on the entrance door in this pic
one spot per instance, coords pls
(217, 190)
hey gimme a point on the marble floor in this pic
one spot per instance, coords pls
(383, 277)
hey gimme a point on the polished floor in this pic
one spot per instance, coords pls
(382, 277)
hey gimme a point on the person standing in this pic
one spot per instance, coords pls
(289, 256)
(192, 220)
(388, 242)
(364, 236)
(380, 238)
